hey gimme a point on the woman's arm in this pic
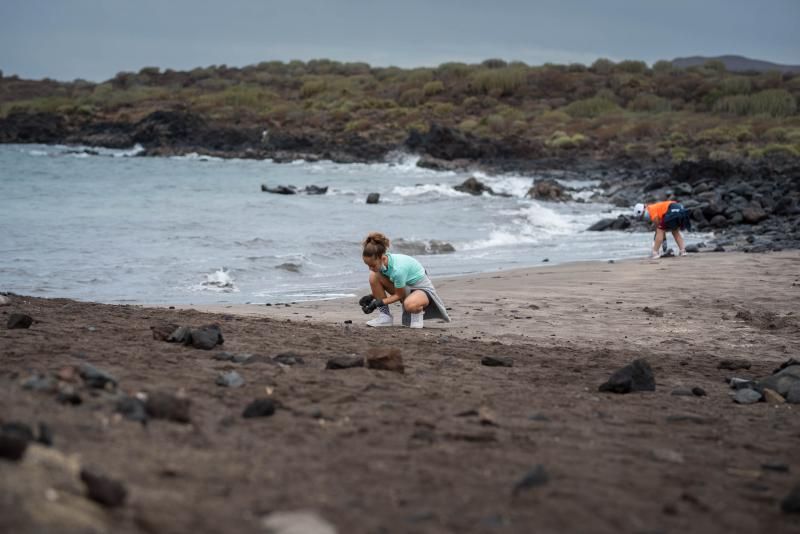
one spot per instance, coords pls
(399, 295)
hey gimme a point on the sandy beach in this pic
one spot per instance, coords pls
(448, 445)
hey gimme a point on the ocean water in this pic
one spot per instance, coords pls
(104, 225)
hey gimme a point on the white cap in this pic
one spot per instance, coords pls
(638, 210)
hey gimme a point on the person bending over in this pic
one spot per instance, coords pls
(667, 215)
(398, 278)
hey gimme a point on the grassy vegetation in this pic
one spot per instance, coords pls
(626, 107)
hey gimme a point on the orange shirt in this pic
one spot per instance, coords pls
(657, 210)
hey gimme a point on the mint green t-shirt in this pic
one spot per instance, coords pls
(403, 270)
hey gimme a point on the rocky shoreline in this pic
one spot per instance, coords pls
(751, 206)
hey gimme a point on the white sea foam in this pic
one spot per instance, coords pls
(219, 281)
(131, 152)
(194, 156)
(38, 153)
(532, 224)
(442, 190)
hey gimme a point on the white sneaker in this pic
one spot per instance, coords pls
(655, 255)
(683, 253)
(382, 319)
(416, 320)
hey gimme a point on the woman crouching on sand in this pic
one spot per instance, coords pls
(397, 277)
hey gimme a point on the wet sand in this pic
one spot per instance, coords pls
(442, 446)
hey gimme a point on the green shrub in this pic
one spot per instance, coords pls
(357, 125)
(632, 67)
(554, 116)
(494, 64)
(663, 67)
(591, 107)
(433, 88)
(411, 98)
(443, 109)
(736, 105)
(602, 66)
(497, 123)
(679, 154)
(559, 139)
(452, 71)
(736, 85)
(499, 82)
(468, 125)
(312, 88)
(648, 102)
(773, 102)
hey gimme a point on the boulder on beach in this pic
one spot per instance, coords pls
(636, 376)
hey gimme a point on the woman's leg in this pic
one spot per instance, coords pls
(676, 233)
(660, 234)
(416, 302)
(380, 285)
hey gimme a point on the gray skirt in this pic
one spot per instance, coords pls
(435, 309)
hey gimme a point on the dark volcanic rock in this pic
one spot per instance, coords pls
(344, 362)
(19, 320)
(620, 223)
(386, 360)
(497, 361)
(289, 358)
(162, 332)
(733, 365)
(206, 337)
(106, 491)
(25, 127)
(95, 378)
(315, 190)
(231, 379)
(791, 503)
(132, 408)
(280, 190)
(473, 186)
(534, 478)
(169, 128)
(783, 380)
(14, 439)
(747, 396)
(548, 189)
(263, 407)
(162, 405)
(636, 376)
(373, 198)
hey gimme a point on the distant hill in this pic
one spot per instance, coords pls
(735, 64)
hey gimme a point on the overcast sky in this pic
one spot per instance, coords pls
(95, 39)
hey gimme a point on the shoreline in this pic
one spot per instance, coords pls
(448, 444)
(472, 294)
